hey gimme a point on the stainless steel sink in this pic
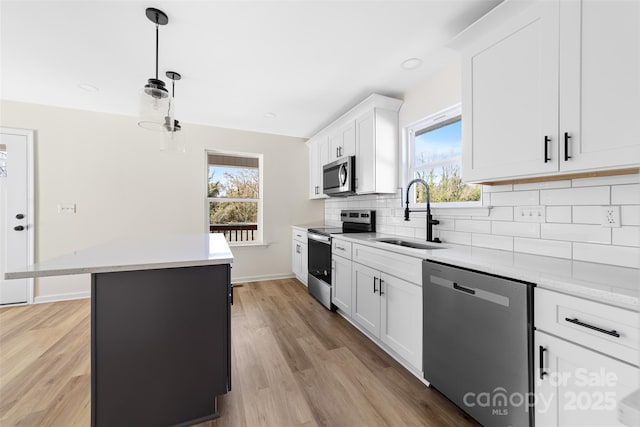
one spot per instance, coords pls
(409, 244)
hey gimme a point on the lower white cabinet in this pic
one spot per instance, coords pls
(390, 309)
(341, 283)
(299, 255)
(575, 386)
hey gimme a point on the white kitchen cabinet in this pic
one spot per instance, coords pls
(575, 386)
(599, 84)
(390, 309)
(365, 310)
(318, 156)
(401, 318)
(342, 143)
(341, 283)
(299, 255)
(370, 132)
(377, 152)
(538, 101)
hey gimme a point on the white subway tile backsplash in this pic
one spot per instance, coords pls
(500, 213)
(606, 180)
(630, 215)
(587, 215)
(521, 229)
(542, 185)
(625, 194)
(552, 248)
(571, 229)
(559, 214)
(607, 254)
(455, 237)
(515, 198)
(472, 226)
(494, 242)
(626, 236)
(576, 233)
(496, 188)
(575, 196)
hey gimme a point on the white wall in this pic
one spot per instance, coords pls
(124, 186)
(572, 229)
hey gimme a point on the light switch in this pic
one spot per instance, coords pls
(530, 214)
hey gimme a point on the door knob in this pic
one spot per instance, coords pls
(18, 228)
(20, 216)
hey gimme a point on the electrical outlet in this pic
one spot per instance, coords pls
(611, 216)
(68, 208)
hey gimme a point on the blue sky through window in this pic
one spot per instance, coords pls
(439, 144)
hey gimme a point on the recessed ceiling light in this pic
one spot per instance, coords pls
(88, 88)
(270, 115)
(411, 63)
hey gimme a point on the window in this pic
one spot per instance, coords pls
(435, 155)
(234, 196)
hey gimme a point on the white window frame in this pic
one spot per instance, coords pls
(259, 241)
(409, 132)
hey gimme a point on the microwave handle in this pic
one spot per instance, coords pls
(343, 174)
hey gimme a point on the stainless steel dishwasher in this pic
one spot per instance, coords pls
(478, 342)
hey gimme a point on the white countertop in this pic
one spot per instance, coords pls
(184, 250)
(619, 286)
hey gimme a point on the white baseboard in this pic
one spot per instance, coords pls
(61, 297)
(261, 277)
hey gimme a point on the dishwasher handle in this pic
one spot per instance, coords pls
(463, 289)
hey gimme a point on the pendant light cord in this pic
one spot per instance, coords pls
(157, 37)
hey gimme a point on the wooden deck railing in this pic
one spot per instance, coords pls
(240, 232)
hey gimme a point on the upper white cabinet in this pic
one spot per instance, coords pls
(369, 131)
(342, 143)
(318, 156)
(552, 88)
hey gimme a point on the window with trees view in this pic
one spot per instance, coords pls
(233, 196)
(435, 155)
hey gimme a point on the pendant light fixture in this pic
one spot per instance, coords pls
(154, 98)
(172, 138)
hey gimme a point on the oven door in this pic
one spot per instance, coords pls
(319, 278)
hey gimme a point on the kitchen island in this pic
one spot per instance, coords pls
(160, 327)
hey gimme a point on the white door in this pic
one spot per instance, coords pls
(365, 299)
(599, 84)
(296, 257)
(511, 102)
(401, 318)
(579, 387)
(16, 212)
(341, 282)
(366, 155)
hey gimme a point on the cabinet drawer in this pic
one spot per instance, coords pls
(611, 330)
(401, 266)
(341, 248)
(299, 235)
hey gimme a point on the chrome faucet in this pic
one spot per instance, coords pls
(430, 221)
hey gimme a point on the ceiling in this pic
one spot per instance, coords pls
(307, 62)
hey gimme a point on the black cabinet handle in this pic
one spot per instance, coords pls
(374, 285)
(463, 289)
(547, 140)
(575, 321)
(567, 137)
(18, 228)
(542, 372)
(231, 294)
(19, 216)
(381, 282)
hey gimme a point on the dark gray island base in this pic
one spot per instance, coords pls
(160, 345)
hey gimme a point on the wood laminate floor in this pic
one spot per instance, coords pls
(294, 363)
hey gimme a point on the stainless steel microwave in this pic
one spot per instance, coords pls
(339, 177)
